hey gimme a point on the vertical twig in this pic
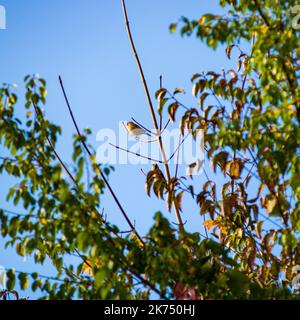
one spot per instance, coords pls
(154, 120)
(160, 115)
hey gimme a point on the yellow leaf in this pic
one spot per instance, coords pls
(235, 169)
(210, 223)
(133, 236)
(86, 268)
(271, 204)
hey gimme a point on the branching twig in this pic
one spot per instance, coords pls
(151, 159)
(135, 153)
(97, 166)
(154, 120)
(261, 13)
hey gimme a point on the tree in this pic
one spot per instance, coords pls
(250, 118)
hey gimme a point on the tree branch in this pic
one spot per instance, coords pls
(154, 120)
(261, 13)
(97, 166)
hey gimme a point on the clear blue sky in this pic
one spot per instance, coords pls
(86, 43)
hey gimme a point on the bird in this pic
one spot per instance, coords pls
(155, 167)
(135, 130)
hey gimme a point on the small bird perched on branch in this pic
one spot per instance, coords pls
(135, 130)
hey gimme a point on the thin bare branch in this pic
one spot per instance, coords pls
(139, 124)
(160, 115)
(135, 153)
(97, 166)
(154, 120)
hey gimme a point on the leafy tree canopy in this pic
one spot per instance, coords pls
(250, 116)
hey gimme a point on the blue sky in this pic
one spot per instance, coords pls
(86, 43)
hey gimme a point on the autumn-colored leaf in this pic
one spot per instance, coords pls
(228, 50)
(210, 223)
(235, 169)
(181, 292)
(87, 268)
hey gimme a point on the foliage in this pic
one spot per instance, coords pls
(250, 116)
